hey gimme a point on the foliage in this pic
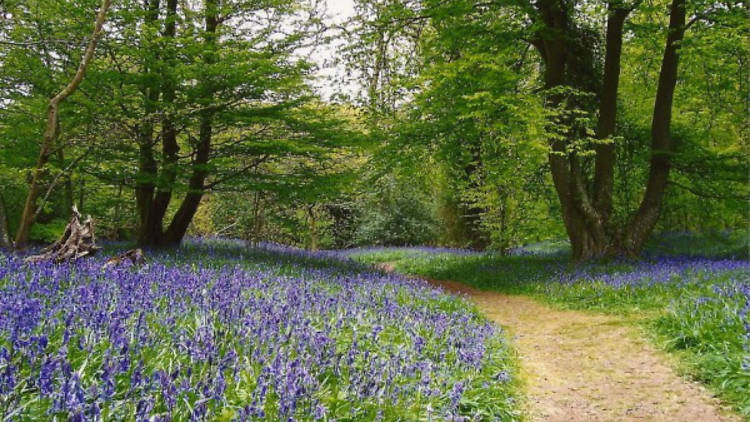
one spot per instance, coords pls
(395, 214)
(475, 105)
(169, 112)
(449, 100)
(48, 232)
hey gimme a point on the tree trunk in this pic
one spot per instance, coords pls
(5, 241)
(149, 230)
(67, 184)
(50, 132)
(81, 191)
(662, 148)
(587, 237)
(257, 226)
(117, 213)
(196, 185)
(170, 147)
(604, 167)
(586, 208)
(313, 228)
(149, 226)
(568, 58)
(181, 221)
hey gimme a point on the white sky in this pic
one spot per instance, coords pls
(337, 11)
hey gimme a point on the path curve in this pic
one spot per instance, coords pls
(587, 367)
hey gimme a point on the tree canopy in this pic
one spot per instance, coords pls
(475, 124)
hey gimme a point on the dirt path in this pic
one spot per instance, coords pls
(585, 367)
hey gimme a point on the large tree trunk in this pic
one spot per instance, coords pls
(150, 226)
(50, 132)
(196, 185)
(662, 147)
(604, 167)
(587, 207)
(585, 230)
(568, 63)
(154, 191)
(181, 220)
(170, 147)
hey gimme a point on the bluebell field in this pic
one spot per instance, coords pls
(223, 331)
(220, 330)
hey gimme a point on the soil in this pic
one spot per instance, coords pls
(581, 366)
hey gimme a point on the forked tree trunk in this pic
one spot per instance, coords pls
(588, 238)
(586, 208)
(153, 199)
(569, 63)
(50, 131)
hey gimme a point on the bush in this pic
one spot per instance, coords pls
(47, 232)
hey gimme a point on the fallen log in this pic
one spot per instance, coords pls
(77, 241)
(133, 257)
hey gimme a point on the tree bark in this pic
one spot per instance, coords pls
(5, 241)
(170, 147)
(117, 213)
(181, 220)
(568, 64)
(313, 228)
(604, 167)
(68, 194)
(662, 147)
(196, 184)
(149, 227)
(50, 132)
(77, 241)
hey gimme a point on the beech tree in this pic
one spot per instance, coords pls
(217, 92)
(568, 59)
(5, 241)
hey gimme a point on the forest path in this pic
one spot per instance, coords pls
(581, 366)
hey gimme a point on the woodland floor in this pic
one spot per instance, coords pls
(581, 366)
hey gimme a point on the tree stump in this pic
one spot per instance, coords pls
(77, 241)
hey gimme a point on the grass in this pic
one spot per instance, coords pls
(695, 304)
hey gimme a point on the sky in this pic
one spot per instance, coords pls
(337, 11)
